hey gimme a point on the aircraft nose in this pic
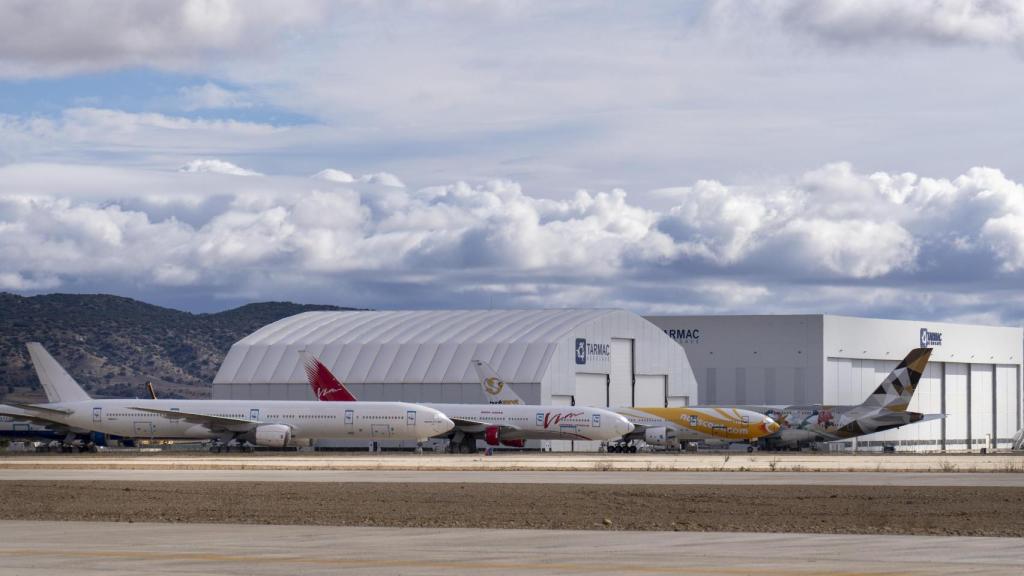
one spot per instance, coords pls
(770, 426)
(444, 423)
(625, 426)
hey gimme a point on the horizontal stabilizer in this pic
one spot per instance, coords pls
(41, 409)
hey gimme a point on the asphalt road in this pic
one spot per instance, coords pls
(121, 549)
(1008, 479)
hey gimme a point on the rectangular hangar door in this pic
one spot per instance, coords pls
(649, 391)
(981, 404)
(620, 391)
(591, 390)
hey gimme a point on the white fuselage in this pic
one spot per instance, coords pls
(541, 422)
(307, 419)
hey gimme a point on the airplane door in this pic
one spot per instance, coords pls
(595, 421)
(143, 429)
(254, 414)
(349, 420)
(97, 414)
(410, 418)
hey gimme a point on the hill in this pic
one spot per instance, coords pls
(113, 345)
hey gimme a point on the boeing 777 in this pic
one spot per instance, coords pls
(261, 422)
(504, 425)
(668, 427)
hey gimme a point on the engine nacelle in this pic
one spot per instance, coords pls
(272, 435)
(493, 438)
(660, 436)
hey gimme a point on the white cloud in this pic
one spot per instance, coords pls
(721, 247)
(332, 175)
(382, 178)
(210, 96)
(939, 21)
(216, 167)
(87, 134)
(51, 38)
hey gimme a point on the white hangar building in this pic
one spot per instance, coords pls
(973, 375)
(583, 357)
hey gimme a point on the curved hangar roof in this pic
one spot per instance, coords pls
(406, 346)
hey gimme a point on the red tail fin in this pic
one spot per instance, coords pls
(326, 387)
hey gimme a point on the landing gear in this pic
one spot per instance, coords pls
(462, 444)
(621, 448)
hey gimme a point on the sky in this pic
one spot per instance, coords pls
(856, 157)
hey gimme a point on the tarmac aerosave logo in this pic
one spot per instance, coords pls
(584, 350)
(929, 339)
(684, 336)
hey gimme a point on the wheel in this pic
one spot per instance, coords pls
(632, 449)
(750, 448)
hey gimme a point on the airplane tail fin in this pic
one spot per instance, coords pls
(326, 387)
(57, 383)
(496, 390)
(897, 390)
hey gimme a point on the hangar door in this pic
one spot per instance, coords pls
(591, 390)
(621, 391)
(649, 391)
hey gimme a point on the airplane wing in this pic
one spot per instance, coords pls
(214, 423)
(467, 425)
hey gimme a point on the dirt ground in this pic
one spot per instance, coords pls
(966, 511)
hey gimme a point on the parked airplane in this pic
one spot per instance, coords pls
(506, 425)
(669, 427)
(59, 437)
(884, 409)
(264, 423)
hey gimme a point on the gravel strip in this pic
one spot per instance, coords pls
(963, 511)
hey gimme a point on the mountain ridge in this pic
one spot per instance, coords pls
(112, 345)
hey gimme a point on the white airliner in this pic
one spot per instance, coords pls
(668, 427)
(496, 424)
(262, 422)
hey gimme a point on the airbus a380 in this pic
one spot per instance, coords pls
(261, 422)
(658, 426)
(496, 424)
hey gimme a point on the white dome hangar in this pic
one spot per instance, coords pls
(424, 356)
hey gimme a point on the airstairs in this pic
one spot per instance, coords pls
(1018, 440)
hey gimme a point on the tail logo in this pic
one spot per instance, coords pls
(493, 386)
(324, 384)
